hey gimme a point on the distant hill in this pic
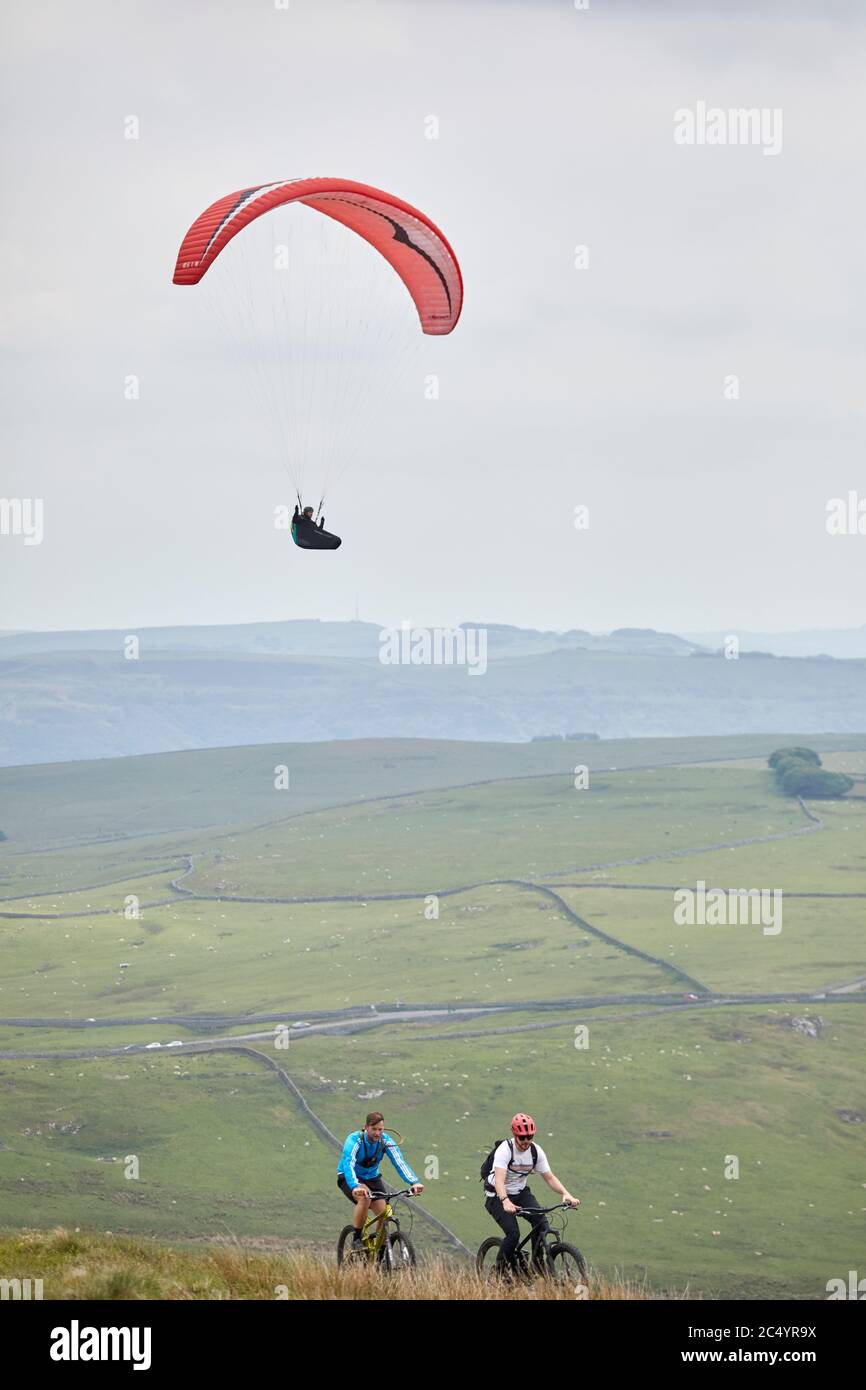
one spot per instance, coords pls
(298, 637)
(842, 643)
(68, 696)
(310, 637)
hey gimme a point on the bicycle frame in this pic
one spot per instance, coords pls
(374, 1243)
(539, 1239)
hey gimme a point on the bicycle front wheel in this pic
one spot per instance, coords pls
(566, 1264)
(402, 1253)
(385, 1257)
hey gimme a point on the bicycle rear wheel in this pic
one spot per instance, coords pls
(566, 1264)
(487, 1259)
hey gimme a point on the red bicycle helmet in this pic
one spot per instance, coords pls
(523, 1126)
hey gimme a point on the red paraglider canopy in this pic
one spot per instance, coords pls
(407, 239)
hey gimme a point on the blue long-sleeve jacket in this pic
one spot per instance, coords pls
(361, 1158)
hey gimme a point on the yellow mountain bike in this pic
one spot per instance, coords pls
(383, 1241)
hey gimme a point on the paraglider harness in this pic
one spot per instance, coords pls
(309, 535)
(487, 1166)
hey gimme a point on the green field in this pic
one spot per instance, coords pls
(537, 915)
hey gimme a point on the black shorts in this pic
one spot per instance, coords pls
(376, 1185)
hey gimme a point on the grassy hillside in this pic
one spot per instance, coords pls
(47, 806)
(544, 918)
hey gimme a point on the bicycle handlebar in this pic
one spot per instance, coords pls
(387, 1196)
(530, 1211)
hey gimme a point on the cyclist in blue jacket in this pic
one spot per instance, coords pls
(358, 1171)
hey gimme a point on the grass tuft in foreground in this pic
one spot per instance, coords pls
(81, 1265)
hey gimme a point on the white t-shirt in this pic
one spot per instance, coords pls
(519, 1166)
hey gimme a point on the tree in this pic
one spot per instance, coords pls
(806, 780)
(807, 755)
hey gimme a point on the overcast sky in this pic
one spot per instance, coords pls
(560, 387)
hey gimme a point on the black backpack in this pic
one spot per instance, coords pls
(487, 1165)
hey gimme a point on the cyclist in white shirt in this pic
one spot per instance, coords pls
(505, 1189)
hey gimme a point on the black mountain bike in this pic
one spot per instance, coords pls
(550, 1258)
(383, 1242)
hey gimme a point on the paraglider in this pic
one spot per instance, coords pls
(314, 388)
(311, 535)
